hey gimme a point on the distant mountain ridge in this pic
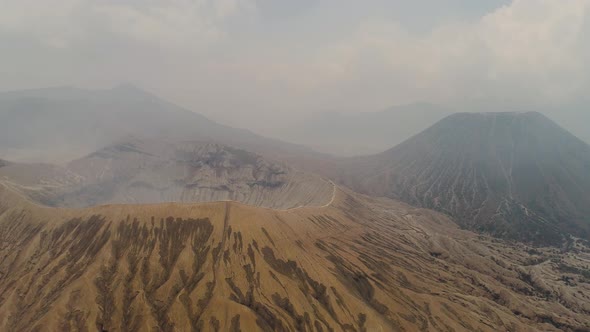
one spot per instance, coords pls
(514, 175)
(61, 124)
(346, 134)
(363, 133)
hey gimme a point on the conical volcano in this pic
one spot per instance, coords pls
(514, 175)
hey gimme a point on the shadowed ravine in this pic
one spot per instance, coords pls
(359, 264)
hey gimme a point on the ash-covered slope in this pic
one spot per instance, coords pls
(140, 171)
(514, 175)
(358, 264)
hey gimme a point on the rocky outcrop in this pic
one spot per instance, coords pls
(153, 172)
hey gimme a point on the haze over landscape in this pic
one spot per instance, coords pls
(313, 165)
(241, 61)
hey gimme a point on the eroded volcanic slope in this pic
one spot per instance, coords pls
(140, 171)
(358, 264)
(514, 175)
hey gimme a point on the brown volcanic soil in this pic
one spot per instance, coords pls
(359, 264)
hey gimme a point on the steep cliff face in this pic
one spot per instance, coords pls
(152, 172)
(357, 264)
(514, 175)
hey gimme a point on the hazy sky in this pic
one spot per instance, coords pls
(249, 60)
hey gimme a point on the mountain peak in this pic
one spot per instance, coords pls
(128, 87)
(130, 91)
(514, 175)
(497, 115)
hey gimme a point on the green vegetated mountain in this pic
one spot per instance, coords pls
(514, 175)
(60, 124)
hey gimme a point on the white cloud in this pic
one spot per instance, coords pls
(48, 23)
(173, 23)
(192, 51)
(533, 48)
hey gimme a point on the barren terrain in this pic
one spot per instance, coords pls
(513, 175)
(358, 264)
(141, 172)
